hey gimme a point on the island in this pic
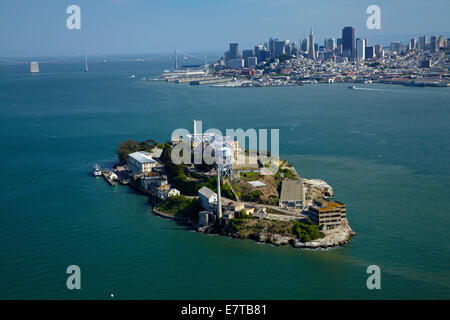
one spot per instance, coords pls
(265, 200)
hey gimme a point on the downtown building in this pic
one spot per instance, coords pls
(348, 42)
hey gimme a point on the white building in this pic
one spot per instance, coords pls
(140, 163)
(207, 197)
(361, 49)
(166, 191)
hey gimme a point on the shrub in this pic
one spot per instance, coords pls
(253, 196)
(307, 231)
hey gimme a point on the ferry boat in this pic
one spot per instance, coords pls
(96, 171)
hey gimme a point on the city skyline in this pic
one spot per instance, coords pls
(131, 27)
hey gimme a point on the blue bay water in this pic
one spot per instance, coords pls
(385, 150)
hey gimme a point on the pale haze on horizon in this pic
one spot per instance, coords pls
(38, 28)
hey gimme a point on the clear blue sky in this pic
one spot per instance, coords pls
(38, 27)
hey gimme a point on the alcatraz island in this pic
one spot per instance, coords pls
(262, 198)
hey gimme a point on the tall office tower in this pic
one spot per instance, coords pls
(339, 42)
(246, 54)
(433, 44)
(280, 48)
(329, 44)
(227, 56)
(234, 51)
(289, 49)
(348, 41)
(370, 52)
(311, 51)
(423, 43)
(396, 46)
(413, 43)
(448, 43)
(265, 54)
(259, 51)
(252, 61)
(378, 50)
(441, 41)
(272, 46)
(361, 49)
(304, 45)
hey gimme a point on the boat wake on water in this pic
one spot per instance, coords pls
(375, 89)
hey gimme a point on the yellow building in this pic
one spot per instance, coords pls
(140, 163)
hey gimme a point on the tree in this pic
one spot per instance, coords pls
(125, 148)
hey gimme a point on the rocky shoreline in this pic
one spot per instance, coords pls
(338, 236)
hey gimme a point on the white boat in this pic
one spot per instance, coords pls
(352, 87)
(34, 67)
(132, 77)
(96, 171)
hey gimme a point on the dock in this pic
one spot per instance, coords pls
(106, 174)
(122, 175)
(208, 81)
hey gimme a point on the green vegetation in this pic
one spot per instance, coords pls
(253, 196)
(307, 231)
(250, 176)
(180, 207)
(273, 200)
(237, 189)
(237, 224)
(125, 148)
(130, 146)
(285, 174)
(226, 192)
(249, 227)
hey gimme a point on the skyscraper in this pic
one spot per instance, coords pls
(246, 54)
(423, 42)
(413, 43)
(304, 44)
(370, 52)
(272, 45)
(433, 44)
(329, 44)
(311, 51)
(234, 51)
(361, 49)
(348, 41)
(396, 46)
(441, 41)
(280, 48)
(378, 50)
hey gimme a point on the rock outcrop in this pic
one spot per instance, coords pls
(335, 237)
